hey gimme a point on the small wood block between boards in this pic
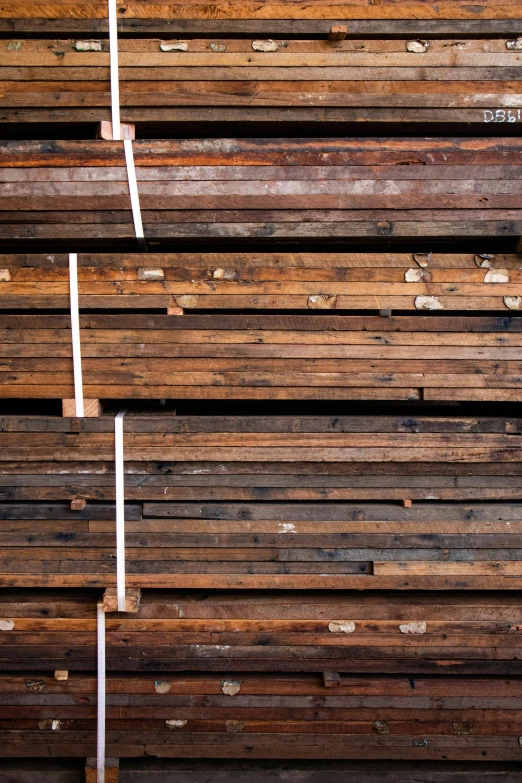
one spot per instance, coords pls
(61, 675)
(407, 503)
(78, 504)
(331, 679)
(91, 408)
(338, 32)
(104, 131)
(132, 599)
(111, 771)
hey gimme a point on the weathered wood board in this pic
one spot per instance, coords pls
(253, 281)
(274, 458)
(267, 357)
(470, 80)
(322, 189)
(263, 716)
(444, 634)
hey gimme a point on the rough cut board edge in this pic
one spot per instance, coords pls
(267, 27)
(92, 408)
(266, 582)
(49, 770)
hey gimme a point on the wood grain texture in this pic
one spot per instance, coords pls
(444, 634)
(288, 206)
(206, 771)
(276, 458)
(139, 356)
(291, 281)
(470, 80)
(269, 716)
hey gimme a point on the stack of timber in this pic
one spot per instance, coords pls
(148, 770)
(186, 528)
(272, 458)
(266, 715)
(262, 189)
(266, 357)
(454, 17)
(265, 281)
(415, 633)
(332, 584)
(470, 80)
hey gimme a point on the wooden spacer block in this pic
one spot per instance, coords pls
(61, 675)
(331, 679)
(105, 131)
(92, 408)
(175, 310)
(132, 599)
(111, 770)
(385, 312)
(338, 32)
(78, 504)
(407, 503)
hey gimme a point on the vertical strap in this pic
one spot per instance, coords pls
(120, 510)
(75, 332)
(100, 726)
(115, 80)
(117, 129)
(134, 195)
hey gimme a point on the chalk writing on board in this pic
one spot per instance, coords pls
(502, 115)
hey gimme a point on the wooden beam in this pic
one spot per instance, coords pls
(92, 408)
(132, 599)
(331, 679)
(338, 32)
(104, 130)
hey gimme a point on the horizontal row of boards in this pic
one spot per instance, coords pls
(267, 357)
(262, 188)
(253, 281)
(269, 458)
(387, 80)
(388, 633)
(49, 770)
(132, 12)
(263, 716)
(310, 546)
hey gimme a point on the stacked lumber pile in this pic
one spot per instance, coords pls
(264, 189)
(185, 527)
(243, 771)
(185, 458)
(319, 355)
(265, 281)
(414, 633)
(268, 357)
(474, 80)
(264, 715)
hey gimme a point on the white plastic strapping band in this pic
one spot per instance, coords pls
(117, 128)
(75, 332)
(115, 78)
(120, 510)
(100, 725)
(134, 195)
